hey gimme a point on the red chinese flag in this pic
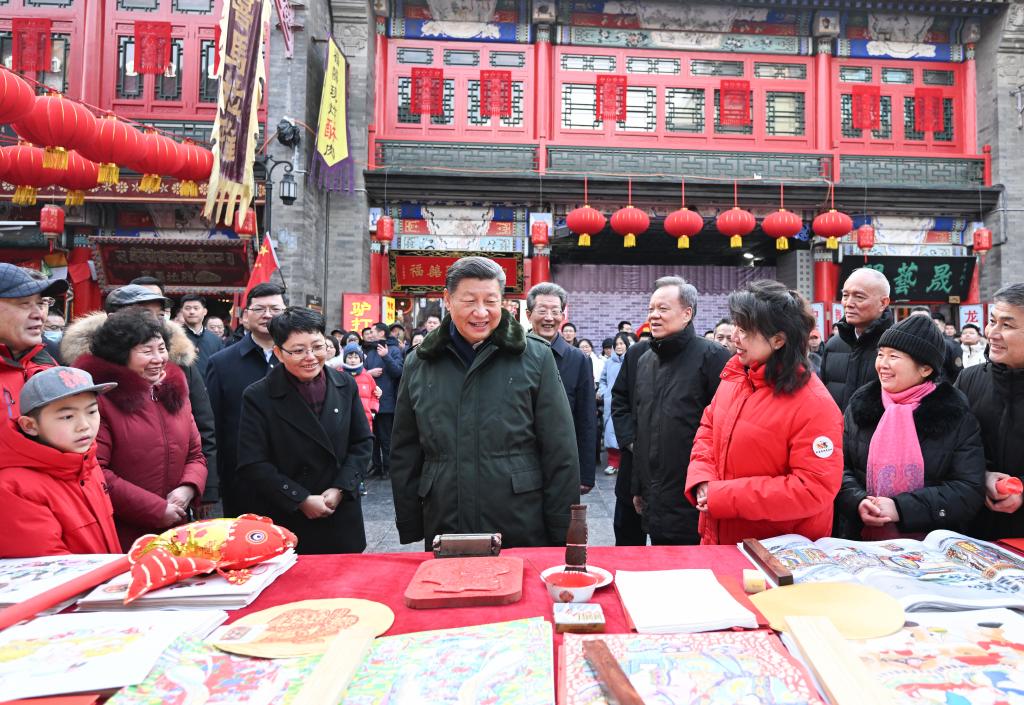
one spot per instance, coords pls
(611, 98)
(734, 103)
(867, 107)
(32, 44)
(152, 47)
(496, 94)
(266, 265)
(427, 92)
(928, 115)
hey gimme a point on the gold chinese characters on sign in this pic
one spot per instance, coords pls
(332, 128)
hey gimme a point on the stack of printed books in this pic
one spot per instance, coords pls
(211, 591)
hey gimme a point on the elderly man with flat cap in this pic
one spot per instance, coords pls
(24, 303)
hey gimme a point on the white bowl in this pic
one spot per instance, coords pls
(569, 586)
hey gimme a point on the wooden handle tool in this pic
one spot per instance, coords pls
(768, 563)
(613, 680)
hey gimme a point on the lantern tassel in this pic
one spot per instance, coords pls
(782, 243)
(189, 189)
(584, 240)
(630, 240)
(24, 196)
(832, 243)
(735, 241)
(74, 197)
(55, 158)
(683, 242)
(110, 173)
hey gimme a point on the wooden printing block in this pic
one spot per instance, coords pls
(466, 582)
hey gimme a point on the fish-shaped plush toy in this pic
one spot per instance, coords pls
(228, 546)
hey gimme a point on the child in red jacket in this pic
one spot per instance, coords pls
(52, 492)
(369, 393)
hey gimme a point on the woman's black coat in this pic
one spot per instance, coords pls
(285, 454)
(954, 463)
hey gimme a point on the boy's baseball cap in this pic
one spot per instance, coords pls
(15, 283)
(57, 383)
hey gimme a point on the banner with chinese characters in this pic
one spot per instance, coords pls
(837, 314)
(734, 103)
(390, 315)
(423, 272)
(332, 165)
(972, 313)
(867, 101)
(919, 279)
(610, 103)
(427, 97)
(236, 128)
(184, 266)
(152, 47)
(928, 114)
(32, 44)
(495, 94)
(359, 311)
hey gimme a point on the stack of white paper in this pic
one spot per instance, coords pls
(89, 653)
(673, 601)
(199, 592)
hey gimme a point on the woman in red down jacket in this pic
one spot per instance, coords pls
(148, 444)
(767, 459)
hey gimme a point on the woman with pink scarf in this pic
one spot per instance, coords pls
(913, 459)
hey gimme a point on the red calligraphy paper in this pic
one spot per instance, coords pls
(427, 92)
(216, 50)
(32, 44)
(496, 94)
(928, 115)
(867, 107)
(734, 103)
(152, 47)
(611, 98)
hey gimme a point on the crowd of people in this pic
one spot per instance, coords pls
(123, 422)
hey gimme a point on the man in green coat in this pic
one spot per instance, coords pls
(483, 438)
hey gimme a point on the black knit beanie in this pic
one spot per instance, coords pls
(919, 337)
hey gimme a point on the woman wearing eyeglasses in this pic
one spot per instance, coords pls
(304, 442)
(148, 444)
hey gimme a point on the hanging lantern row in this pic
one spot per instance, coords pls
(64, 144)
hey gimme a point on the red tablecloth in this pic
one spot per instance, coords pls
(383, 577)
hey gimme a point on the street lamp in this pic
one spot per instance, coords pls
(287, 184)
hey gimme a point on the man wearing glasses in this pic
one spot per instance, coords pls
(228, 373)
(24, 302)
(304, 441)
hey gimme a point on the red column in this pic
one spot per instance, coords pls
(826, 281)
(969, 103)
(92, 53)
(823, 98)
(544, 56)
(540, 268)
(974, 293)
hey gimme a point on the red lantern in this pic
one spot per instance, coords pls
(782, 225)
(51, 223)
(25, 171)
(385, 229)
(982, 240)
(198, 162)
(245, 227)
(734, 224)
(832, 226)
(683, 224)
(630, 222)
(58, 124)
(161, 157)
(16, 97)
(585, 221)
(539, 234)
(865, 237)
(82, 175)
(115, 142)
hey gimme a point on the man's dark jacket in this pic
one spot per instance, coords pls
(627, 523)
(392, 364)
(675, 381)
(954, 465)
(484, 446)
(995, 394)
(228, 374)
(286, 453)
(577, 373)
(207, 345)
(848, 362)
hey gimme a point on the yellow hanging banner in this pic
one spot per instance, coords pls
(332, 128)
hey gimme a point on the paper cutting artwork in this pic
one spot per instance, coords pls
(193, 673)
(951, 658)
(497, 664)
(710, 668)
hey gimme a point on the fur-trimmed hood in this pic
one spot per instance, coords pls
(939, 413)
(133, 391)
(77, 340)
(509, 336)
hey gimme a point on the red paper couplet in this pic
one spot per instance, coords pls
(152, 47)
(734, 103)
(32, 44)
(216, 49)
(611, 98)
(867, 107)
(427, 92)
(496, 94)
(928, 116)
